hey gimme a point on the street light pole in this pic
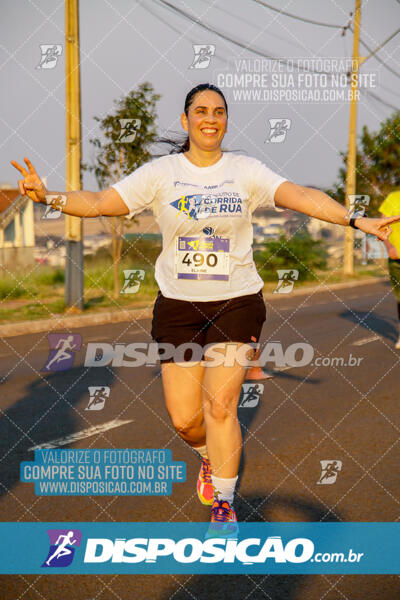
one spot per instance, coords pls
(73, 225)
(348, 261)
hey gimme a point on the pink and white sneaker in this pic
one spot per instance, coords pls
(205, 488)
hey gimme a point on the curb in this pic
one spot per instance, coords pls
(323, 287)
(70, 322)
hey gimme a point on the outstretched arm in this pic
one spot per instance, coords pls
(107, 203)
(319, 205)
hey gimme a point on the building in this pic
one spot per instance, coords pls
(17, 232)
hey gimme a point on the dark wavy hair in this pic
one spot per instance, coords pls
(183, 145)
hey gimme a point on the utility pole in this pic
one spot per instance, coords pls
(73, 225)
(348, 261)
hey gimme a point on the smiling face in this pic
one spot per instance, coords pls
(206, 121)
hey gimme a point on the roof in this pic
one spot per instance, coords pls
(7, 197)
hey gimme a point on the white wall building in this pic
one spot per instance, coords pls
(17, 232)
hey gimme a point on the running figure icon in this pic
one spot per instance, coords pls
(62, 549)
(330, 470)
(287, 279)
(63, 345)
(204, 55)
(50, 55)
(183, 207)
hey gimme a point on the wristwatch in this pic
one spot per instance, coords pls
(352, 221)
(352, 216)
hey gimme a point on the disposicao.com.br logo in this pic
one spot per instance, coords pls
(62, 547)
(160, 548)
(248, 551)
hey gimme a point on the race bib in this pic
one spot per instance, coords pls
(202, 258)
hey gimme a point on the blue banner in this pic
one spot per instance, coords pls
(89, 472)
(162, 548)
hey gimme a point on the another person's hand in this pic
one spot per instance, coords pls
(379, 226)
(31, 185)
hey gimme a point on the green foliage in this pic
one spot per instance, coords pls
(142, 252)
(114, 159)
(31, 285)
(10, 288)
(378, 164)
(299, 252)
(136, 253)
(99, 275)
(49, 276)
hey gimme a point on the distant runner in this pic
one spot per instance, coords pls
(390, 207)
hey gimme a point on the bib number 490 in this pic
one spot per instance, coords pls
(198, 259)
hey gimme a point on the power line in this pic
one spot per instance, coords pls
(146, 7)
(388, 89)
(234, 41)
(208, 28)
(179, 32)
(176, 30)
(255, 26)
(368, 93)
(287, 14)
(332, 25)
(381, 45)
(231, 40)
(379, 59)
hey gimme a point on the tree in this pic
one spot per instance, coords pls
(378, 164)
(299, 252)
(127, 134)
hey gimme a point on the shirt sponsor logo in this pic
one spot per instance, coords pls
(201, 206)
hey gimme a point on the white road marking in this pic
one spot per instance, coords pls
(80, 435)
(366, 340)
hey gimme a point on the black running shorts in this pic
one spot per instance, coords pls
(180, 322)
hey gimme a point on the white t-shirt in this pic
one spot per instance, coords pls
(204, 214)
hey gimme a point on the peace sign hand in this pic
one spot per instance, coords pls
(31, 185)
(379, 227)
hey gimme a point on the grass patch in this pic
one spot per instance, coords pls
(39, 294)
(11, 288)
(31, 311)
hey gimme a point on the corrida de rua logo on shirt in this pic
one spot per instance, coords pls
(201, 206)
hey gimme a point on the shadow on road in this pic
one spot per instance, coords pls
(372, 323)
(49, 411)
(276, 587)
(46, 412)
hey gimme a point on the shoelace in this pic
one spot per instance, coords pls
(206, 471)
(221, 512)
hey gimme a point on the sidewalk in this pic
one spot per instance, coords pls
(135, 314)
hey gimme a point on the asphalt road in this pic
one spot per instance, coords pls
(305, 415)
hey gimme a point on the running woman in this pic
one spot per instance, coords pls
(210, 292)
